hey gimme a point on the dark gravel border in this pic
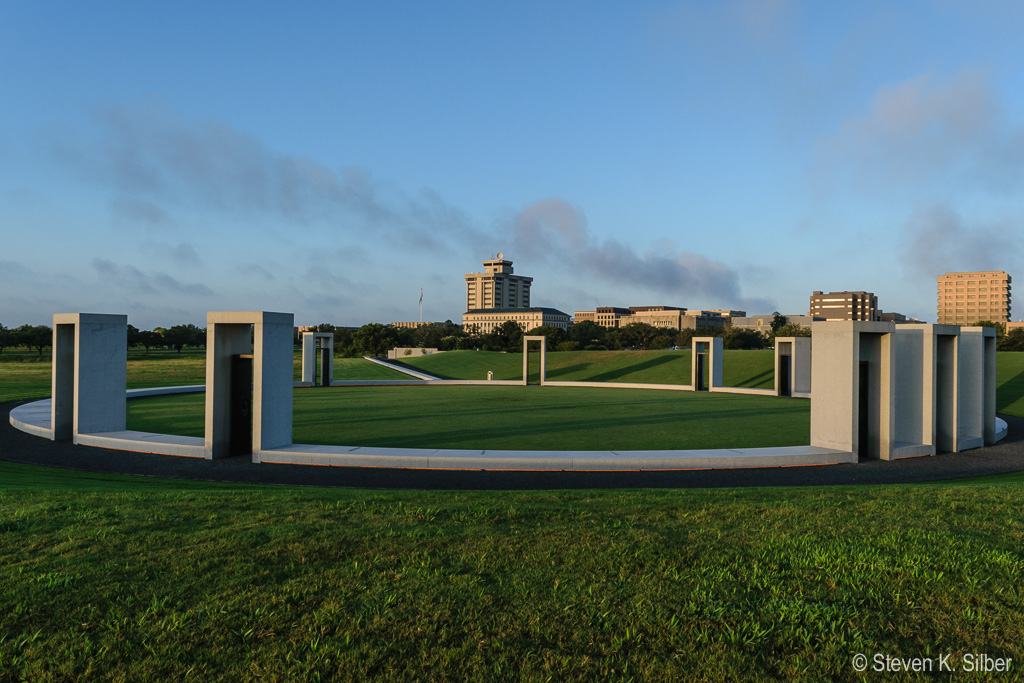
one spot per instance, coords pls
(16, 446)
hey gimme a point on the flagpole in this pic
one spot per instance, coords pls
(421, 305)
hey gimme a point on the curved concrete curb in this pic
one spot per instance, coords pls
(34, 418)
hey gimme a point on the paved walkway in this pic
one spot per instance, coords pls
(16, 446)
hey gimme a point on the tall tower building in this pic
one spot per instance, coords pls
(967, 298)
(497, 287)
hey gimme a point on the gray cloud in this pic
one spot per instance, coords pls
(134, 212)
(132, 279)
(150, 158)
(553, 229)
(938, 240)
(927, 130)
(182, 255)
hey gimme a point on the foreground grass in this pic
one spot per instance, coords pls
(496, 417)
(140, 579)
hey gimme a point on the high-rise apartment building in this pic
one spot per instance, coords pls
(497, 287)
(844, 305)
(966, 298)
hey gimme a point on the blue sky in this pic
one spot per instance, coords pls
(330, 159)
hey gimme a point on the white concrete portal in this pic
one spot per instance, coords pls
(976, 387)
(892, 391)
(90, 374)
(793, 366)
(265, 339)
(543, 357)
(707, 357)
(314, 345)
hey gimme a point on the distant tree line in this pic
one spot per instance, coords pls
(375, 339)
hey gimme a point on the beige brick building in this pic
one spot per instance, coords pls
(497, 287)
(665, 317)
(844, 306)
(489, 319)
(966, 298)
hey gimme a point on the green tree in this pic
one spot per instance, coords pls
(374, 339)
(150, 338)
(6, 338)
(1013, 341)
(739, 338)
(587, 332)
(778, 320)
(181, 336)
(638, 335)
(34, 336)
(509, 336)
(555, 335)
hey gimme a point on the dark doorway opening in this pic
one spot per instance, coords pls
(863, 405)
(785, 376)
(240, 409)
(700, 381)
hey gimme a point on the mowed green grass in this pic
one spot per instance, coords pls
(530, 418)
(122, 578)
(1010, 382)
(26, 376)
(752, 369)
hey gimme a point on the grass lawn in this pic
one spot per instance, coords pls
(123, 578)
(532, 418)
(755, 369)
(26, 376)
(1010, 382)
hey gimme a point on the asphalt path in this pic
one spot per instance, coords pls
(16, 446)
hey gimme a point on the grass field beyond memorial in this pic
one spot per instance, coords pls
(527, 418)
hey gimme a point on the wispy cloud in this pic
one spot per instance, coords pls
(554, 230)
(938, 240)
(151, 159)
(927, 131)
(131, 279)
(182, 255)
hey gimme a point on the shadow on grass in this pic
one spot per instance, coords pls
(756, 379)
(618, 373)
(567, 370)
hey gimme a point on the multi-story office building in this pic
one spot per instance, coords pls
(582, 316)
(844, 306)
(763, 323)
(609, 316)
(496, 296)
(665, 317)
(966, 298)
(497, 287)
(487, 320)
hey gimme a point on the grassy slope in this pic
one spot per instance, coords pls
(529, 418)
(26, 376)
(740, 368)
(1010, 382)
(139, 579)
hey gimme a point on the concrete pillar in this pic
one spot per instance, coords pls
(976, 410)
(543, 357)
(843, 350)
(712, 347)
(799, 351)
(90, 374)
(268, 337)
(309, 358)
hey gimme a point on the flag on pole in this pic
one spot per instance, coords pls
(421, 295)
